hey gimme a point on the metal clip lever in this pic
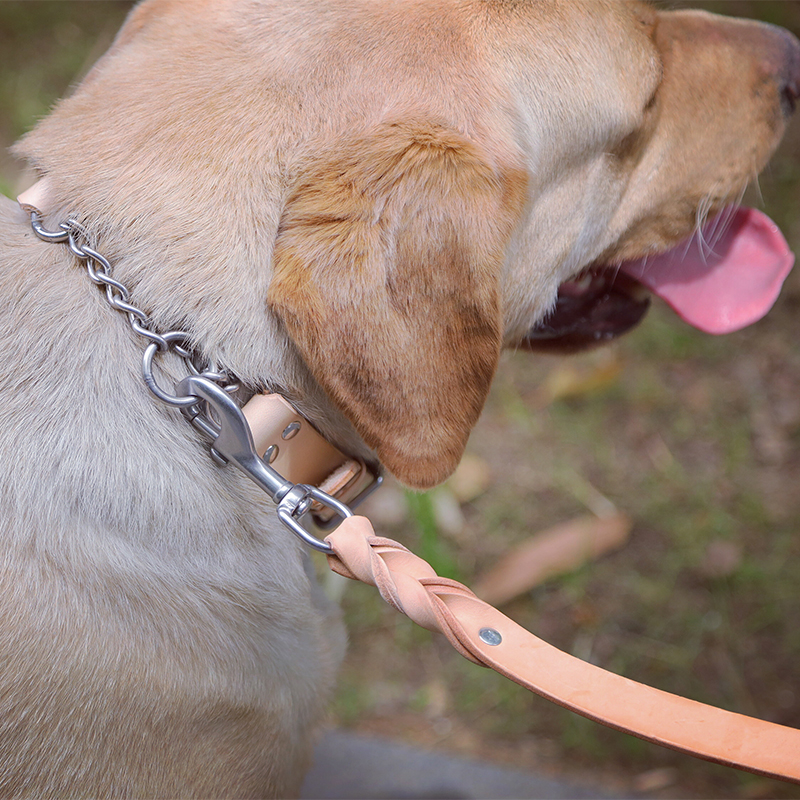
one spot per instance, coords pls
(233, 441)
(231, 434)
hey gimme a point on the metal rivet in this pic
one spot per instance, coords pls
(292, 429)
(490, 636)
(271, 454)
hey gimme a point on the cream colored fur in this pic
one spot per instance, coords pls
(356, 203)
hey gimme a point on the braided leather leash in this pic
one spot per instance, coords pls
(485, 636)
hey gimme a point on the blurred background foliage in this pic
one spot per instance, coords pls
(695, 438)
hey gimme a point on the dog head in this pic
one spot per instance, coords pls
(407, 255)
(395, 190)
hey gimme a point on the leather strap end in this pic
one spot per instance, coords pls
(35, 198)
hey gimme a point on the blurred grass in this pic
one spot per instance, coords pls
(432, 546)
(45, 47)
(696, 437)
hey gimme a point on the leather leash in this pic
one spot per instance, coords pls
(485, 636)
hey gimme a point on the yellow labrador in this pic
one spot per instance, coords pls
(357, 204)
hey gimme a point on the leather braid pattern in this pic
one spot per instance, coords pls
(405, 581)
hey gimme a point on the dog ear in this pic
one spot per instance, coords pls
(387, 271)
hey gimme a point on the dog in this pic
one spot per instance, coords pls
(356, 205)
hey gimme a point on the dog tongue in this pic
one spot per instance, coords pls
(723, 286)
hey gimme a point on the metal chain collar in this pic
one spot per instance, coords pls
(204, 396)
(73, 234)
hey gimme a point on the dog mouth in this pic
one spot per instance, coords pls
(724, 278)
(597, 306)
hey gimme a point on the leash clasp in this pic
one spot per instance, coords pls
(219, 417)
(297, 502)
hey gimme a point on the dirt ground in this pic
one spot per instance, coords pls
(696, 438)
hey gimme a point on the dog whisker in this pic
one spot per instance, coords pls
(727, 216)
(757, 185)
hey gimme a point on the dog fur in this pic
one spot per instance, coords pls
(356, 203)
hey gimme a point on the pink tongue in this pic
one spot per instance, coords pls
(722, 286)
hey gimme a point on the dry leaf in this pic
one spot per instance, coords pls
(386, 507)
(569, 381)
(556, 551)
(447, 512)
(655, 780)
(471, 478)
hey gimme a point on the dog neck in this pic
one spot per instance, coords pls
(278, 433)
(209, 279)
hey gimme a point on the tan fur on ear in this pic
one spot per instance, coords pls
(387, 268)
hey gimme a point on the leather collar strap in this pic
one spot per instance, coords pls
(484, 635)
(291, 445)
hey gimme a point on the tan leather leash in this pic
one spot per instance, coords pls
(485, 636)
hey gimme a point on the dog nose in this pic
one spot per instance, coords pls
(791, 88)
(784, 64)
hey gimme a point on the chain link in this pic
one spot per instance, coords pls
(98, 268)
